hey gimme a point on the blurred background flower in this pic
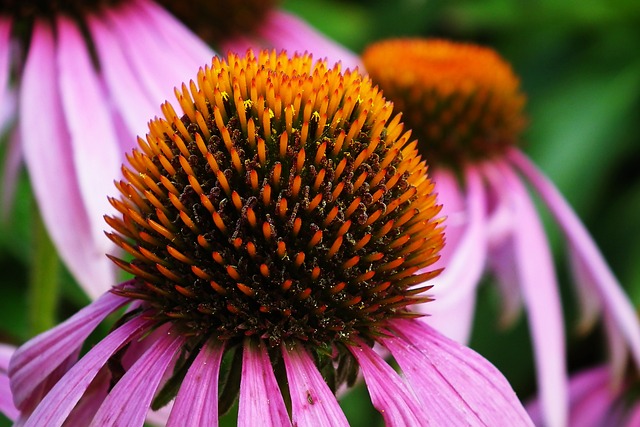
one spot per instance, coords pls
(580, 69)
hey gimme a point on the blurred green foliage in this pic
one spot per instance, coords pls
(579, 63)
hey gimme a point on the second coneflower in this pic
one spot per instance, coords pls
(279, 227)
(466, 109)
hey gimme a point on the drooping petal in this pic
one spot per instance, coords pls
(5, 70)
(96, 154)
(285, 31)
(312, 402)
(389, 394)
(536, 276)
(133, 102)
(588, 297)
(504, 268)
(261, 401)
(454, 384)
(197, 401)
(463, 257)
(50, 164)
(183, 43)
(159, 70)
(60, 401)
(37, 359)
(611, 294)
(7, 406)
(10, 171)
(130, 399)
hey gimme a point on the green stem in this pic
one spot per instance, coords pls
(44, 283)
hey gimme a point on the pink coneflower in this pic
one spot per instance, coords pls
(465, 105)
(595, 402)
(6, 400)
(279, 227)
(93, 73)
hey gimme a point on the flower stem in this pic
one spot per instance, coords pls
(44, 283)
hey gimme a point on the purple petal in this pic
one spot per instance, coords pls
(312, 402)
(389, 394)
(286, 31)
(49, 160)
(134, 103)
(182, 42)
(588, 297)
(128, 402)
(454, 384)
(613, 298)
(6, 397)
(160, 68)
(38, 358)
(197, 401)
(463, 256)
(260, 396)
(96, 153)
(5, 69)
(541, 294)
(60, 401)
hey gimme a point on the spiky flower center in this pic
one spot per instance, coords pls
(219, 20)
(28, 9)
(462, 101)
(282, 204)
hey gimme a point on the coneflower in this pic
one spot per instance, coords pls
(465, 106)
(279, 227)
(120, 59)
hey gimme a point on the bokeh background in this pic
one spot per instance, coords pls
(579, 64)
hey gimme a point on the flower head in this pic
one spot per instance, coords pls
(463, 101)
(465, 104)
(283, 223)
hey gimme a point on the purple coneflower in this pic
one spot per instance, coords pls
(119, 60)
(7, 406)
(279, 226)
(465, 106)
(595, 402)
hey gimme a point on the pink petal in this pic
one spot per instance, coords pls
(611, 294)
(505, 270)
(541, 294)
(179, 38)
(6, 397)
(312, 402)
(389, 394)
(63, 397)
(260, 396)
(96, 153)
(588, 297)
(160, 67)
(38, 358)
(128, 402)
(454, 384)
(463, 256)
(132, 101)
(197, 401)
(5, 72)
(49, 160)
(286, 31)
